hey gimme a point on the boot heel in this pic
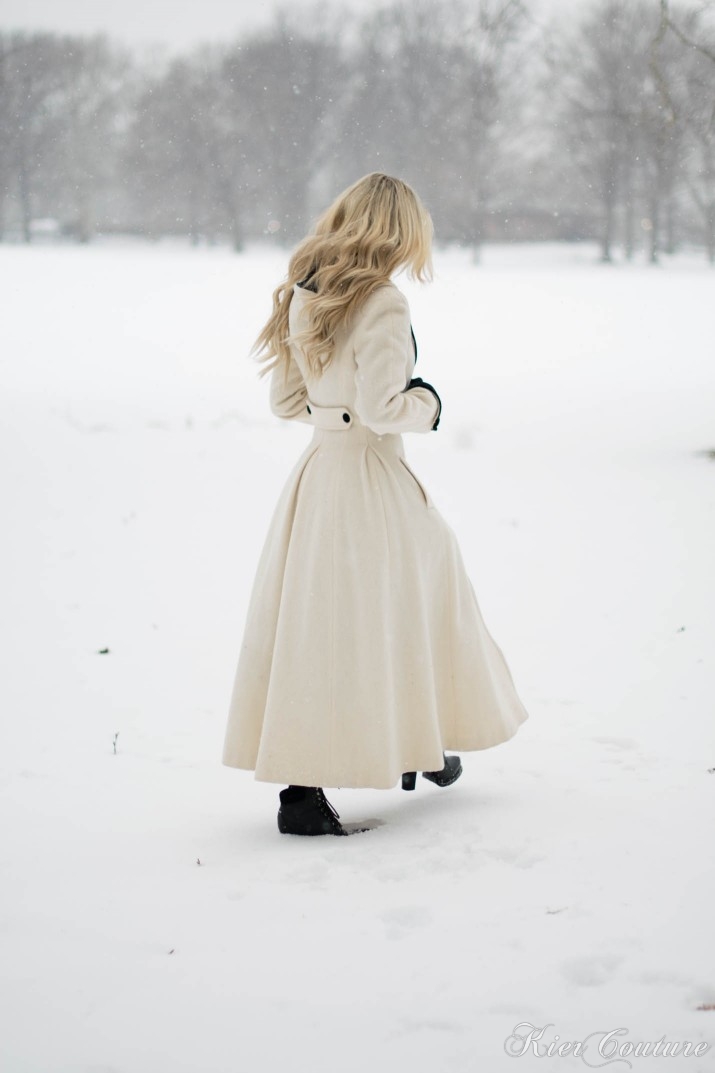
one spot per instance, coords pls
(409, 780)
(449, 773)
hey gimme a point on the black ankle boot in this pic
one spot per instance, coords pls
(449, 773)
(305, 810)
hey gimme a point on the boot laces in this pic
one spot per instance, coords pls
(324, 802)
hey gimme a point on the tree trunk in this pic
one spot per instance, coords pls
(477, 234)
(25, 202)
(237, 233)
(194, 230)
(654, 233)
(670, 226)
(607, 235)
(85, 227)
(230, 199)
(629, 215)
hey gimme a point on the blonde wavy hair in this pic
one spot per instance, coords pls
(375, 227)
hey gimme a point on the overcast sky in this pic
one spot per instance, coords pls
(177, 25)
(174, 23)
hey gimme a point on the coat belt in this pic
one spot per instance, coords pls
(332, 417)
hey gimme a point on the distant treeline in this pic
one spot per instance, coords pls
(598, 125)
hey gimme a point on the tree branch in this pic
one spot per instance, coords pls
(667, 22)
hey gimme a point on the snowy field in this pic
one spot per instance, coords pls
(153, 919)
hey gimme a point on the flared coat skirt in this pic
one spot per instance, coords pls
(364, 652)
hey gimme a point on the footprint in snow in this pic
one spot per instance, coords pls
(519, 856)
(617, 743)
(590, 971)
(404, 919)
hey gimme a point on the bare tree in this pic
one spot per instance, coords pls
(91, 104)
(601, 126)
(596, 73)
(169, 146)
(487, 71)
(661, 132)
(690, 99)
(31, 84)
(686, 36)
(425, 97)
(393, 116)
(277, 89)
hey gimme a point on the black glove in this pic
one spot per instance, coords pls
(417, 381)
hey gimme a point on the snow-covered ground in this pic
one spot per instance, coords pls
(153, 918)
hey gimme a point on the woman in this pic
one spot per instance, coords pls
(364, 654)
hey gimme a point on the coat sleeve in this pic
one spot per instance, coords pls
(383, 347)
(288, 394)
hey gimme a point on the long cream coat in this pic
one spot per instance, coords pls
(364, 651)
